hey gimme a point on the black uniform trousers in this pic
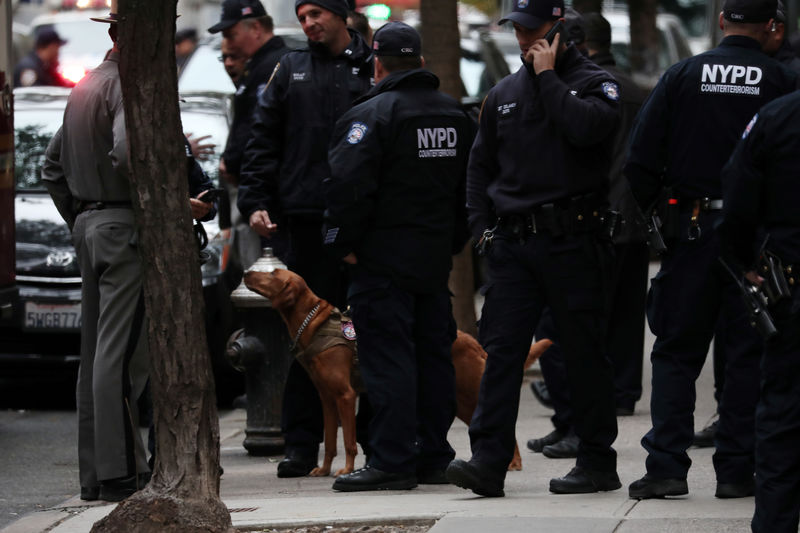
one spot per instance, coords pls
(405, 344)
(301, 415)
(568, 274)
(625, 336)
(778, 426)
(686, 298)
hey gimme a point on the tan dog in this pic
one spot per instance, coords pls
(329, 360)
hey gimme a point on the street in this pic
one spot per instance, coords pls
(38, 436)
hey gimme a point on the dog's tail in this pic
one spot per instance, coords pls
(536, 351)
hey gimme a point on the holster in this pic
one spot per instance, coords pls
(777, 278)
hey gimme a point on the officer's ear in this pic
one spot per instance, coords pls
(421, 61)
(721, 21)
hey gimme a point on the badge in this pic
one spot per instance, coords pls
(349, 331)
(611, 90)
(522, 4)
(357, 132)
(750, 126)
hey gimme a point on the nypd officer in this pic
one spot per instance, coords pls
(538, 174)
(396, 212)
(683, 136)
(760, 191)
(284, 164)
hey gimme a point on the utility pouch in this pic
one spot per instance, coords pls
(776, 285)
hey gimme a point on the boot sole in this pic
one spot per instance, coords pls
(671, 488)
(390, 485)
(567, 489)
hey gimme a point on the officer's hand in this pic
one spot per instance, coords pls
(199, 208)
(261, 223)
(203, 152)
(543, 54)
(753, 278)
(350, 259)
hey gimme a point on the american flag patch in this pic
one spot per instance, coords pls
(556, 11)
(247, 10)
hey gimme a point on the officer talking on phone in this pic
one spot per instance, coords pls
(537, 189)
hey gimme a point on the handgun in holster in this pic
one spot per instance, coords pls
(775, 285)
(651, 227)
(756, 303)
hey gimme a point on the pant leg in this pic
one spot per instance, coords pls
(778, 427)
(434, 334)
(513, 304)
(576, 272)
(121, 361)
(90, 302)
(735, 436)
(554, 372)
(384, 320)
(682, 310)
(626, 321)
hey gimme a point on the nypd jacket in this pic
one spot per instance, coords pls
(396, 191)
(287, 156)
(541, 139)
(760, 186)
(254, 78)
(689, 126)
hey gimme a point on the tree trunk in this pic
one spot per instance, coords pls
(442, 52)
(645, 44)
(183, 494)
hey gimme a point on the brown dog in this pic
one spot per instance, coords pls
(320, 333)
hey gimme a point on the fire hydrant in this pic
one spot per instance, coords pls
(261, 351)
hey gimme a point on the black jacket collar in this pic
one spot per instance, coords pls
(404, 79)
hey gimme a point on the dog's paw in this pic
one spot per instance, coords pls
(344, 471)
(515, 466)
(320, 472)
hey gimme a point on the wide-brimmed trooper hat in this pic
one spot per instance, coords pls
(112, 17)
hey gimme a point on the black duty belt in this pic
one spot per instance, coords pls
(96, 206)
(577, 215)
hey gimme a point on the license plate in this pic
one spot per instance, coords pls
(52, 316)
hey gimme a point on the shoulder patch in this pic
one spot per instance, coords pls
(357, 132)
(611, 90)
(750, 126)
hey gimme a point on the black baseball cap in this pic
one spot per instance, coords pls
(597, 28)
(749, 11)
(534, 13)
(397, 39)
(235, 10)
(47, 36)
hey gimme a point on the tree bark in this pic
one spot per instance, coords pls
(183, 494)
(442, 52)
(645, 44)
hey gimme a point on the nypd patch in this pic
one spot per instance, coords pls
(750, 126)
(349, 331)
(611, 90)
(522, 4)
(357, 132)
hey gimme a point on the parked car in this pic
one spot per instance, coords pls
(48, 329)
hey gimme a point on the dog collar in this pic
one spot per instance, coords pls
(304, 325)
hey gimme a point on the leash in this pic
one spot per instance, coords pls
(304, 325)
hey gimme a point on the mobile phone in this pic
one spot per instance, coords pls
(551, 34)
(211, 195)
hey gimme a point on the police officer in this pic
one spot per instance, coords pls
(538, 171)
(625, 342)
(778, 45)
(87, 168)
(40, 66)
(248, 31)
(760, 191)
(396, 212)
(683, 136)
(285, 163)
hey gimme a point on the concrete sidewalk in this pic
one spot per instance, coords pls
(258, 499)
